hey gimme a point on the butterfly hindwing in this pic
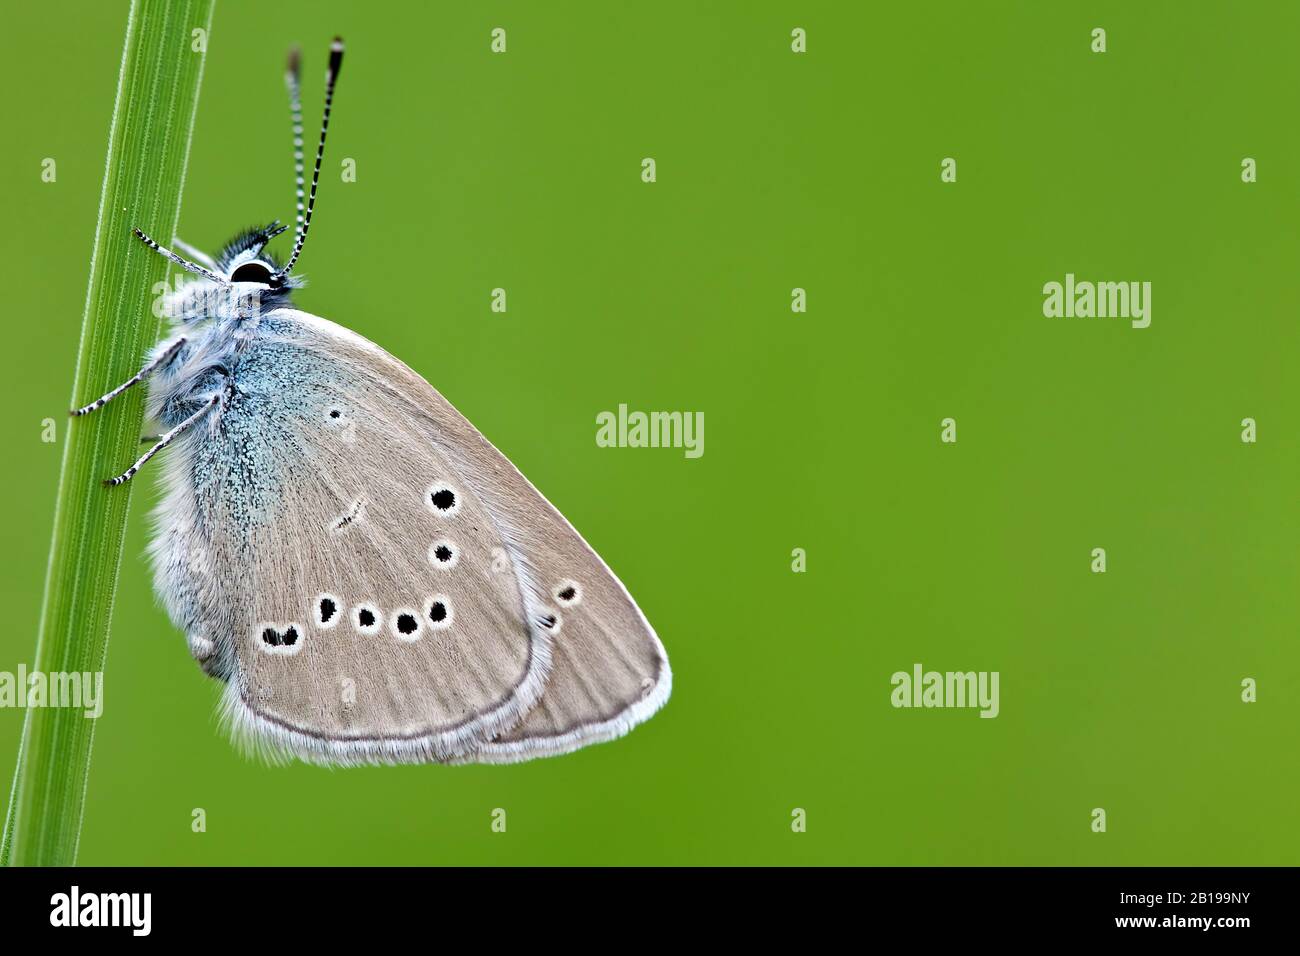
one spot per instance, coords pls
(323, 518)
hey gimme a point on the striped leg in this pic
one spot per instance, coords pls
(162, 443)
(134, 379)
(194, 267)
(198, 255)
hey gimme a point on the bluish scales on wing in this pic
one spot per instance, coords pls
(256, 446)
(372, 579)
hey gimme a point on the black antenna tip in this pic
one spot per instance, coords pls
(336, 55)
(293, 64)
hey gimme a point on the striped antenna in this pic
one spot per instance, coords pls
(293, 81)
(291, 77)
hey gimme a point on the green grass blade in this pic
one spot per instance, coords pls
(148, 144)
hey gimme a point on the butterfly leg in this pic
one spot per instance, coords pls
(184, 263)
(163, 442)
(137, 377)
(198, 255)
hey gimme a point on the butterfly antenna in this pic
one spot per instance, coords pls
(292, 80)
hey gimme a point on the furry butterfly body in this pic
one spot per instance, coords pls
(371, 578)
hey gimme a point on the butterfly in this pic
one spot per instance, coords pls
(370, 577)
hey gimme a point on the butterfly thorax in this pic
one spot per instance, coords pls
(211, 329)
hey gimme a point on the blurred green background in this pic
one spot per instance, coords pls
(775, 171)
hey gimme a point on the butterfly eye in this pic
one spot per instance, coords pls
(252, 272)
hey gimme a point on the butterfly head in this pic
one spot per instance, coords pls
(245, 270)
(245, 259)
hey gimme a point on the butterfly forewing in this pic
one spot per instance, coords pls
(608, 669)
(381, 583)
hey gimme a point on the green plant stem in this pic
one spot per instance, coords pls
(148, 145)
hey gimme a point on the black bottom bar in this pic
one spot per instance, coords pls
(301, 905)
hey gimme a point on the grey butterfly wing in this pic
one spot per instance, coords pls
(302, 543)
(609, 671)
(316, 484)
